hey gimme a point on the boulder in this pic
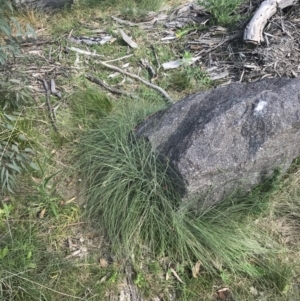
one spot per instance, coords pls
(228, 138)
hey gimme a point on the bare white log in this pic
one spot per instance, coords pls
(254, 30)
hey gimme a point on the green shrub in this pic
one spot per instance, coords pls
(10, 41)
(15, 150)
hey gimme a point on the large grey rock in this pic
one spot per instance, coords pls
(229, 137)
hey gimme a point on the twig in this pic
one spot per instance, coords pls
(156, 59)
(119, 59)
(38, 43)
(112, 67)
(107, 87)
(155, 87)
(69, 225)
(48, 92)
(43, 286)
(84, 52)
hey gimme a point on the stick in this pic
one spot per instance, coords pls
(107, 87)
(157, 88)
(119, 59)
(48, 92)
(84, 52)
(156, 58)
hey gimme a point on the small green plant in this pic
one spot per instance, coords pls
(13, 93)
(3, 252)
(15, 152)
(140, 281)
(223, 11)
(189, 77)
(182, 32)
(11, 41)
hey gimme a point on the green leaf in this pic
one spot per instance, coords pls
(30, 31)
(22, 137)
(4, 252)
(14, 167)
(9, 188)
(8, 4)
(17, 24)
(54, 211)
(31, 265)
(15, 148)
(29, 150)
(15, 81)
(9, 126)
(34, 166)
(2, 174)
(6, 30)
(11, 118)
(45, 182)
(7, 210)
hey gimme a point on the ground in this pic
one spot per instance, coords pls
(49, 249)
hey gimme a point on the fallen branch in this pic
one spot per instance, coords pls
(48, 92)
(112, 67)
(107, 87)
(120, 58)
(84, 52)
(254, 30)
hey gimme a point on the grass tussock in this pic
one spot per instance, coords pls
(130, 194)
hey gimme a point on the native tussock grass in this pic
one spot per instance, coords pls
(131, 195)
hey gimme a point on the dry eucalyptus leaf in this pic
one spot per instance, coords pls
(196, 269)
(167, 275)
(253, 291)
(103, 279)
(70, 200)
(176, 275)
(103, 263)
(42, 213)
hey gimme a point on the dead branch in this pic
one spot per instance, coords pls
(120, 58)
(48, 92)
(254, 30)
(112, 67)
(107, 87)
